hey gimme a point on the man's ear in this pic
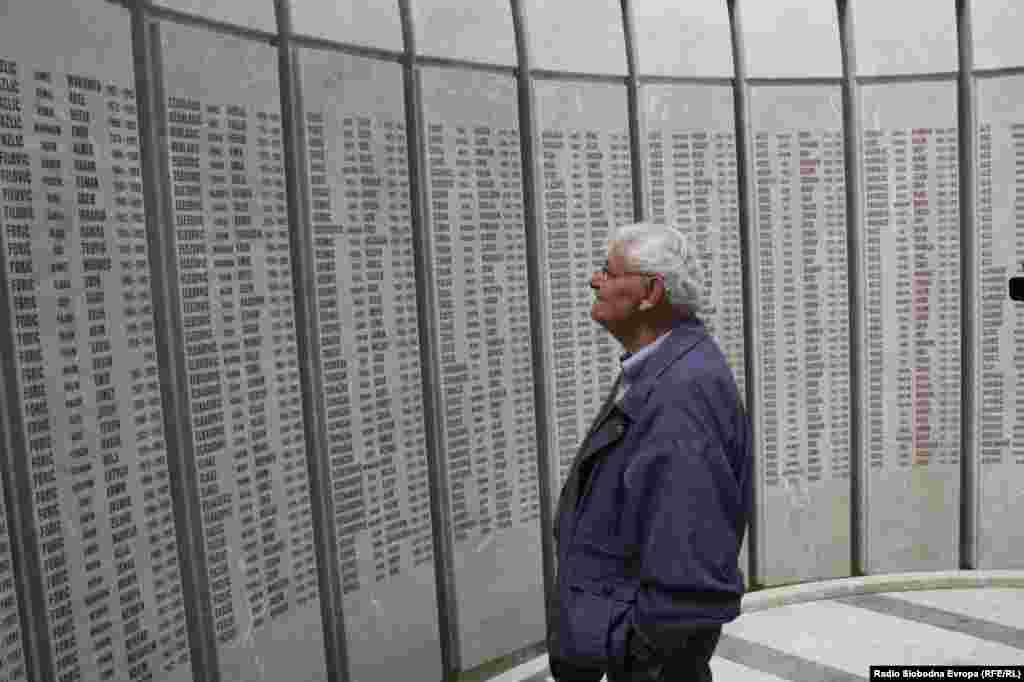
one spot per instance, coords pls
(657, 293)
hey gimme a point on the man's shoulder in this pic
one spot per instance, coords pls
(699, 380)
(697, 394)
(702, 360)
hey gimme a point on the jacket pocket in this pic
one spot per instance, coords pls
(597, 621)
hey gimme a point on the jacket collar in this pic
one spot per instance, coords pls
(683, 337)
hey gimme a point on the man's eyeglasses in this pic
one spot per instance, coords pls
(607, 274)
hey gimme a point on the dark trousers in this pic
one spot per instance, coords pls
(689, 662)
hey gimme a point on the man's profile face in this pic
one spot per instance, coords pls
(617, 293)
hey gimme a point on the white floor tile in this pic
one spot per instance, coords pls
(852, 639)
(726, 671)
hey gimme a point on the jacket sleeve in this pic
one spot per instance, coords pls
(686, 505)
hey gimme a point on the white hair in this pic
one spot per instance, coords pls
(664, 250)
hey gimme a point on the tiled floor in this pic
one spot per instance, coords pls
(836, 640)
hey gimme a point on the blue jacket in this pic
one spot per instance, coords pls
(654, 509)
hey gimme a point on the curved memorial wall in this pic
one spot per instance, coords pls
(295, 346)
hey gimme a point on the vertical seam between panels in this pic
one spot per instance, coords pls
(437, 465)
(307, 327)
(171, 359)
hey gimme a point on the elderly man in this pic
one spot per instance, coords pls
(652, 515)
